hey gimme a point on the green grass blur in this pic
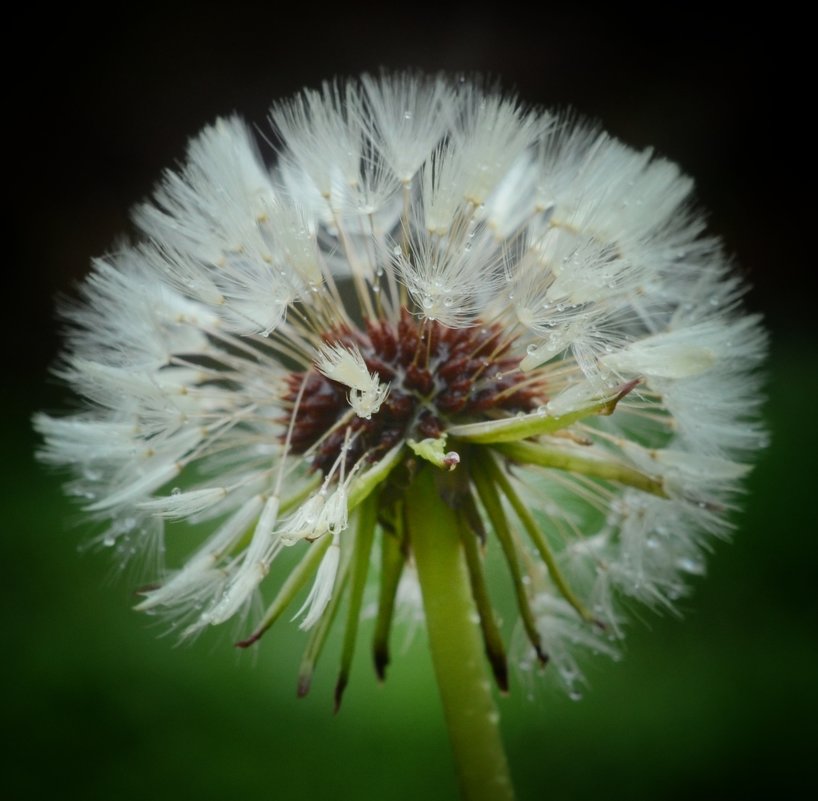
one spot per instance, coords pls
(99, 706)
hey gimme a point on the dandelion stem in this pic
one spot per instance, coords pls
(456, 645)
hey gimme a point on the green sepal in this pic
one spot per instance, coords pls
(556, 458)
(364, 536)
(533, 531)
(512, 429)
(362, 486)
(490, 499)
(492, 639)
(393, 559)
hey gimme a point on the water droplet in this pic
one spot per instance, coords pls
(407, 115)
(531, 349)
(691, 565)
(176, 491)
(109, 540)
(575, 695)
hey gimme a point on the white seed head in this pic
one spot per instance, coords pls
(424, 268)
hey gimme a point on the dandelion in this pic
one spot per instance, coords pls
(440, 323)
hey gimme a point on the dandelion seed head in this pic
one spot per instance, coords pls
(426, 275)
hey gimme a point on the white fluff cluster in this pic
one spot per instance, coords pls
(193, 347)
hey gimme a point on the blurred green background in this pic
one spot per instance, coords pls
(98, 706)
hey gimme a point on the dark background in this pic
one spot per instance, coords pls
(98, 706)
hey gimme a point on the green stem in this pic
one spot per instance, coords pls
(456, 646)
